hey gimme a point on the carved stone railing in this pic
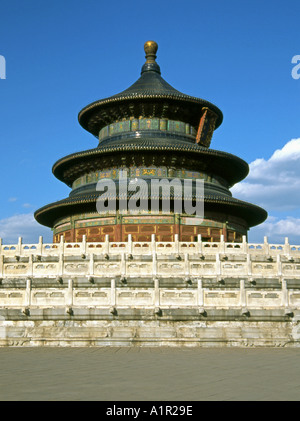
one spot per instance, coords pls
(111, 296)
(151, 247)
(150, 275)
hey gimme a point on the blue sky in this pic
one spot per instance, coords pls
(62, 55)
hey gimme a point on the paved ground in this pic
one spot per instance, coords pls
(161, 374)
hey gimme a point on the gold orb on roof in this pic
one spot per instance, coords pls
(150, 48)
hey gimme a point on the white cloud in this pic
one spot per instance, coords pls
(276, 230)
(25, 226)
(274, 184)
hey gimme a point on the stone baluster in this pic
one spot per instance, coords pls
(69, 293)
(123, 266)
(156, 293)
(83, 244)
(40, 245)
(200, 293)
(60, 264)
(266, 246)
(285, 294)
(287, 247)
(279, 265)
(222, 244)
(129, 244)
(28, 293)
(154, 264)
(113, 292)
(199, 238)
(2, 265)
(91, 264)
(186, 265)
(30, 265)
(176, 241)
(243, 297)
(153, 243)
(244, 244)
(62, 244)
(218, 264)
(19, 247)
(106, 244)
(249, 264)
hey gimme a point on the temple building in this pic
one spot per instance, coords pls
(150, 131)
(144, 275)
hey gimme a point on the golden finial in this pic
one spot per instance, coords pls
(150, 48)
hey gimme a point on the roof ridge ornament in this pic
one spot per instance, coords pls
(150, 48)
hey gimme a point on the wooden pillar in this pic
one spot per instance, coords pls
(118, 229)
(177, 226)
(224, 231)
(73, 231)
